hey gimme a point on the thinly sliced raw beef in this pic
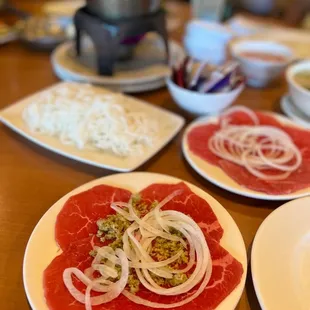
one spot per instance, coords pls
(78, 217)
(226, 275)
(199, 136)
(300, 179)
(56, 294)
(188, 203)
(227, 271)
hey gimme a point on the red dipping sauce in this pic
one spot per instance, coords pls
(264, 56)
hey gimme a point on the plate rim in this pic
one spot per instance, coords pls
(286, 104)
(276, 35)
(108, 81)
(125, 88)
(178, 118)
(242, 191)
(258, 235)
(208, 197)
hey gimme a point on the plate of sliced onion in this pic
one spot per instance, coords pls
(254, 154)
(155, 243)
(93, 125)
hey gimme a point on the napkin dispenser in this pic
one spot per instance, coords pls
(207, 41)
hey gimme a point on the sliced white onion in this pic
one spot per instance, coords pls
(160, 205)
(256, 147)
(119, 210)
(137, 246)
(138, 300)
(111, 290)
(151, 228)
(249, 112)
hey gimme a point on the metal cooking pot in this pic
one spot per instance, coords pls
(117, 9)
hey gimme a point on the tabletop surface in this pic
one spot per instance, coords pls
(32, 178)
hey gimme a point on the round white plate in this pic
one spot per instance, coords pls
(218, 177)
(280, 259)
(125, 88)
(293, 112)
(42, 240)
(147, 66)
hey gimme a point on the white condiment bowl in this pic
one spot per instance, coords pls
(299, 94)
(199, 103)
(259, 73)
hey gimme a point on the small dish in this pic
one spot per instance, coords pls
(44, 32)
(261, 72)
(297, 40)
(289, 108)
(202, 104)
(300, 95)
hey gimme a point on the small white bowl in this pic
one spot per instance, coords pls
(202, 104)
(299, 95)
(259, 73)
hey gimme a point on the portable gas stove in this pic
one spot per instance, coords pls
(109, 35)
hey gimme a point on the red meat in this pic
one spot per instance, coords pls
(77, 219)
(188, 203)
(93, 204)
(199, 136)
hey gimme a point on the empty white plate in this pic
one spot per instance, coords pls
(293, 112)
(281, 258)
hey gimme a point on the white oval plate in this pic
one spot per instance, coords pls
(42, 240)
(218, 177)
(146, 66)
(280, 258)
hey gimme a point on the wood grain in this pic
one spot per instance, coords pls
(32, 179)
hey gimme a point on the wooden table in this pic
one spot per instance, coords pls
(32, 178)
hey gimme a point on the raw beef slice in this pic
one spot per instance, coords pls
(78, 217)
(93, 204)
(199, 136)
(188, 203)
(226, 275)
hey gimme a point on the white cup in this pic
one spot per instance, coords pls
(259, 73)
(299, 95)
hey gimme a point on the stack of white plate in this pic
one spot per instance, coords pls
(146, 71)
